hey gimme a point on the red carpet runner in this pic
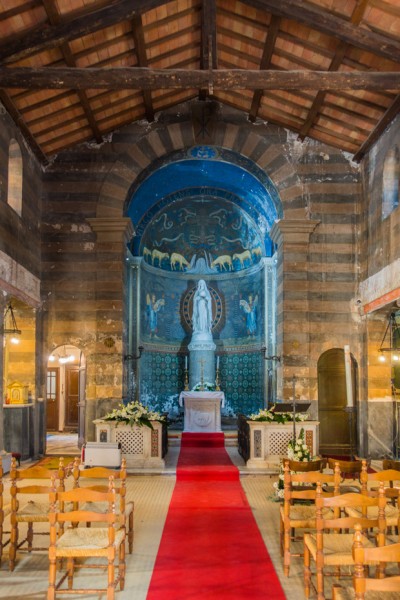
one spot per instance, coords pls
(211, 547)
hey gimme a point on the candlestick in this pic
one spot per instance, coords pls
(349, 383)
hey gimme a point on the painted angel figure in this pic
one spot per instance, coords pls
(249, 306)
(152, 307)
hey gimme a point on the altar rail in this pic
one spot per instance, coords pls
(263, 444)
(142, 447)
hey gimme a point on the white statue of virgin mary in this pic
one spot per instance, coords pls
(202, 309)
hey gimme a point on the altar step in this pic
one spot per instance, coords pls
(174, 438)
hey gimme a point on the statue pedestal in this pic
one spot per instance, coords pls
(202, 359)
(202, 410)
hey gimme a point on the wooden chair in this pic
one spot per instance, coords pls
(102, 473)
(300, 486)
(74, 543)
(307, 465)
(31, 484)
(350, 469)
(381, 477)
(390, 476)
(328, 546)
(5, 510)
(368, 588)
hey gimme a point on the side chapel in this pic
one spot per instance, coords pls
(199, 159)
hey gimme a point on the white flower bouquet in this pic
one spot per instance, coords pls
(134, 413)
(271, 416)
(206, 386)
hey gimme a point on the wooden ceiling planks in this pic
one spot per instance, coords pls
(346, 36)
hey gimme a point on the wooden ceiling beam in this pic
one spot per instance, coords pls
(141, 55)
(265, 63)
(320, 19)
(337, 60)
(208, 45)
(41, 38)
(387, 118)
(55, 19)
(151, 79)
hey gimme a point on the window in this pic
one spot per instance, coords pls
(391, 174)
(14, 194)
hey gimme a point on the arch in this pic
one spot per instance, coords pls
(260, 146)
(15, 175)
(334, 430)
(65, 390)
(391, 181)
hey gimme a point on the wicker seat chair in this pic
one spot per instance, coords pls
(350, 469)
(329, 546)
(300, 487)
(29, 503)
(93, 475)
(365, 587)
(381, 477)
(73, 543)
(5, 510)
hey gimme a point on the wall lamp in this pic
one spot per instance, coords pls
(13, 330)
(132, 356)
(391, 340)
(273, 357)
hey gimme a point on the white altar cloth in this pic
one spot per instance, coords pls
(202, 410)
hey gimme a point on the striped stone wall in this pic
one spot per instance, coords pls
(379, 290)
(318, 277)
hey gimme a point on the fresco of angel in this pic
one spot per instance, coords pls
(249, 307)
(153, 306)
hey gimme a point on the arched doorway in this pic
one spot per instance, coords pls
(65, 392)
(334, 429)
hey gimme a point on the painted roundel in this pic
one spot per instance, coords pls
(187, 307)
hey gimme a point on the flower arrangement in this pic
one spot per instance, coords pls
(205, 386)
(271, 416)
(134, 413)
(297, 450)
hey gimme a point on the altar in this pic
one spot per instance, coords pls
(202, 410)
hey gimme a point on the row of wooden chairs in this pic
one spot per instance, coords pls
(329, 508)
(98, 495)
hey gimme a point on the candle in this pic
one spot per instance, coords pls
(186, 363)
(217, 362)
(349, 383)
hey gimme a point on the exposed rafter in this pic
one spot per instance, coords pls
(390, 114)
(319, 19)
(265, 63)
(140, 48)
(50, 37)
(54, 18)
(208, 56)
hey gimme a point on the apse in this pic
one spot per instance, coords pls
(200, 216)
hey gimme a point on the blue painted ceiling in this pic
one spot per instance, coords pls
(202, 182)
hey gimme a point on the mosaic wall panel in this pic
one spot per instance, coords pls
(162, 380)
(242, 380)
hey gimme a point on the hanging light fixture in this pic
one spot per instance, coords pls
(391, 340)
(13, 330)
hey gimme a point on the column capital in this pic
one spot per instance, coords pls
(112, 229)
(293, 230)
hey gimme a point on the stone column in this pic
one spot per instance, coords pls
(104, 388)
(292, 237)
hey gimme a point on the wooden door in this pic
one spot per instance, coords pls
(71, 397)
(334, 430)
(52, 399)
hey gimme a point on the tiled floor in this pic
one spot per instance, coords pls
(151, 494)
